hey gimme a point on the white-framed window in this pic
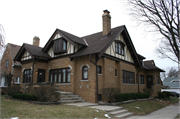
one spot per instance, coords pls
(17, 80)
(3, 82)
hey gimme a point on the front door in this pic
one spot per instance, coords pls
(149, 81)
(41, 75)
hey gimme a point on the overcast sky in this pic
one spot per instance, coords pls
(24, 19)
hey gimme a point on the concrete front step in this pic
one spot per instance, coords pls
(118, 112)
(72, 98)
(123, 116)
(71, 101)
(113, 109)
(69, 96)
(65, 93)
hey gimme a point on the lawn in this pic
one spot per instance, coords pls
(146, 107)
(10, 108)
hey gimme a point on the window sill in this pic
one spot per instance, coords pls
(128, 84)
(84, 80)
(63, 83)
(142, 84)
(100, 74)
(3, 86)
(116, 76)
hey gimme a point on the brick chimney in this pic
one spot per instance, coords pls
(36, 41)
(106, 22)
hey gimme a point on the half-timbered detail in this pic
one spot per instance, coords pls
(87, 65)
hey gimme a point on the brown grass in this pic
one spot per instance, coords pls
(10, 108)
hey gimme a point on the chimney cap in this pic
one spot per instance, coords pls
(106, 11)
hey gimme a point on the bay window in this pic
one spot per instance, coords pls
(60, 46)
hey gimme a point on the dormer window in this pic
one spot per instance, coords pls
(119, 47)
(60, 46)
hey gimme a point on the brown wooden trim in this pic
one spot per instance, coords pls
(62, 56)
(106, 47)
(117, 59)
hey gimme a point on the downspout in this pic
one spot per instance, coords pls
(33, 69)
(95, 63)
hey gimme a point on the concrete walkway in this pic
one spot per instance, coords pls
(169, 112)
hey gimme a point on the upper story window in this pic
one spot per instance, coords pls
(60, 46)
(85, 73)
(99, 70)
(27, 76)
(119, 47)
(7, 63)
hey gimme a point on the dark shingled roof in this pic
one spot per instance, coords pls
(73, 37)
(35, 50)
(150, 65)
(96, 43)
(14, 50)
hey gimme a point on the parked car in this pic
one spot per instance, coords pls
(174, 94)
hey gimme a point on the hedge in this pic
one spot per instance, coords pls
(25, 96)
(131, 96)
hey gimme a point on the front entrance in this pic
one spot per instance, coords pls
(149, 81)
(41, 75)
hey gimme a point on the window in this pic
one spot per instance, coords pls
(115, 72)
(141, 79)
(60, 46)
(157, 80)
(99, 70)
(119, 48)
(27, 76)
(60, 75)
(7, 63)
(85, 73)
(3, 82)
(128, 77)
(17, 80)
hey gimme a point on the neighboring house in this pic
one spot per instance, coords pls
(86, 65)
(172, 83)
(8, 67)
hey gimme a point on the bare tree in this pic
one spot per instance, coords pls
(163, 17)
(2, 40)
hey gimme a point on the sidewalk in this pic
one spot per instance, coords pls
(169, 112)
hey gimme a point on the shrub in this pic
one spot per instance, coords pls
(25, 96)
(110, 94)
(161, 95)
(167, 93)
(131, 96)
(13, 90)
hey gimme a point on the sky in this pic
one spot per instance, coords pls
(24, 19)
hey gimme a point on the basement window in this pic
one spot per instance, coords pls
(60, 46)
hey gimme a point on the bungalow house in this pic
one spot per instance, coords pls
(10, 67)
(87, 65)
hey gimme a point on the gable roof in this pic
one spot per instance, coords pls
(150, 65)
(169, 82)
(69, 37)
(33, 51)
(98, 45)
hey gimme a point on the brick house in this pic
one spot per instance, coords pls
(10, 67)
(87, 65)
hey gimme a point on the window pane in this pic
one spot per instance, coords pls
(68, 80)
(19, 79)
(85, 68)
(119, 48)
(59, 80)
(55, 77)
(85, 74)
(51, 80)
(64, 75)
(116, 48)
(64, 45)
(122, 51)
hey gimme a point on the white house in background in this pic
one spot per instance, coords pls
(173, 83)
